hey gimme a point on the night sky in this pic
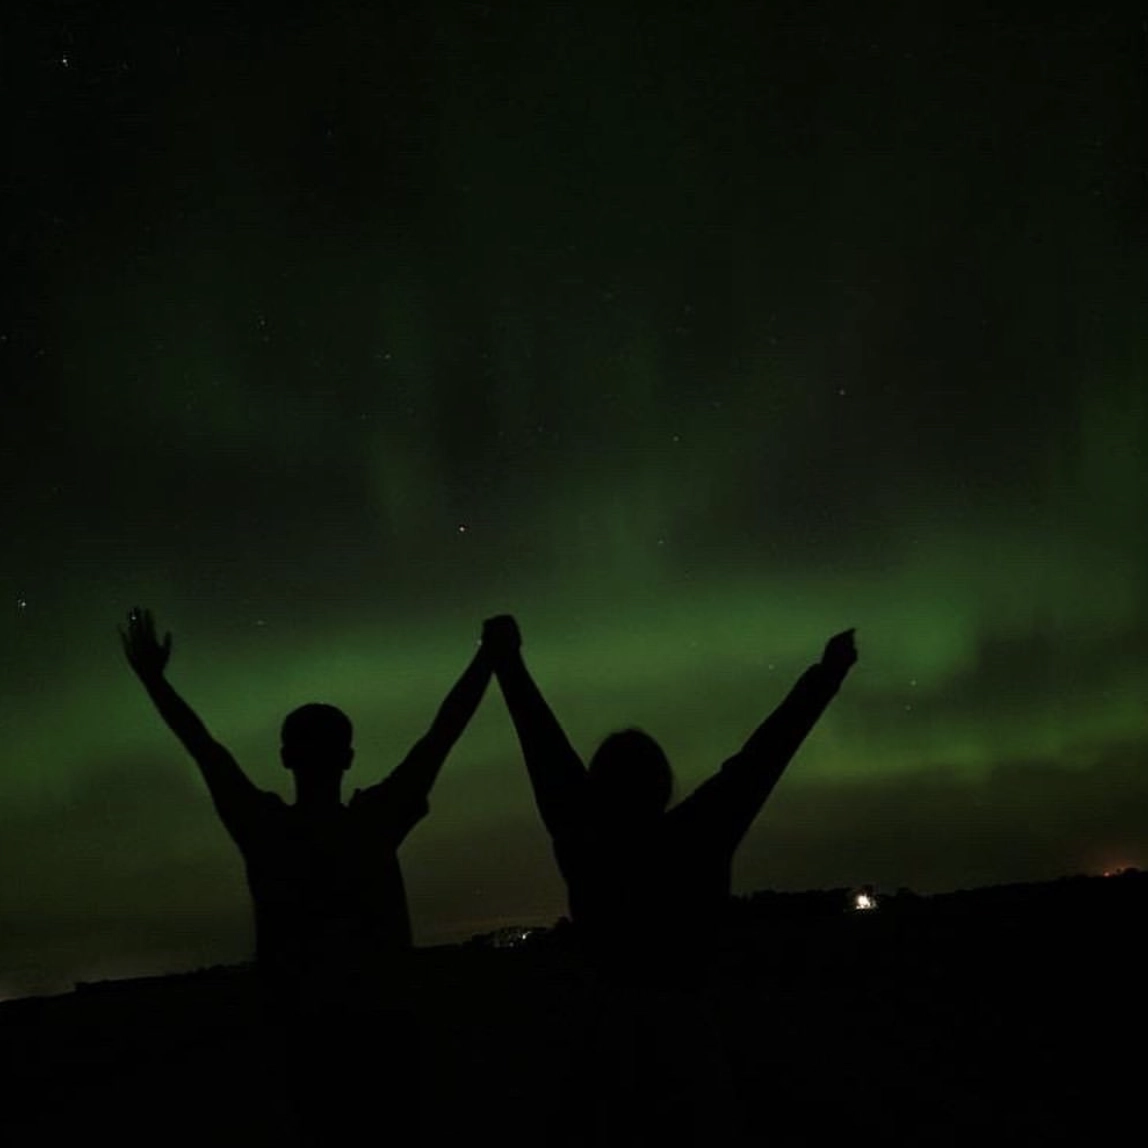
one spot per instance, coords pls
(689, 333)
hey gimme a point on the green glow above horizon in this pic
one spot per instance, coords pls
(769, 331)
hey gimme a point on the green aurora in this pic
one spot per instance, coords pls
(689, 341)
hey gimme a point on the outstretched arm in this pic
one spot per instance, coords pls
(420, 768)
(148, 657)
(556, 771)
(734, 796)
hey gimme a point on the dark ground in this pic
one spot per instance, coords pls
(1013, 1014)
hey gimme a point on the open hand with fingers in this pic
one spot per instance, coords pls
(145, 653)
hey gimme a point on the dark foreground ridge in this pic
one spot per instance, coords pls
(1011, 1014)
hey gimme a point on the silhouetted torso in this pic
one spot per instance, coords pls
(326, 885)
(657, 889)
(650, 894)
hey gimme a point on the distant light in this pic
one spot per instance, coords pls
(864, 901)
(508, 937)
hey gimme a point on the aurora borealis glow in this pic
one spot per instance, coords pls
(689, 339)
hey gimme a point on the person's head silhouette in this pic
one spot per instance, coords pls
(315, 745)
(630, 776)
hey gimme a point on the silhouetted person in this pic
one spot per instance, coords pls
(331, 922)
(648, 887)
(638, 876)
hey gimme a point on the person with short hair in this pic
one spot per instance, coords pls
(332, 927)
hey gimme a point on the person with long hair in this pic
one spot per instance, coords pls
(648, 883)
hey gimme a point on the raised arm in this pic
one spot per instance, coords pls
(420, 768)
(229, 786)
(556, 771)
(732, 798)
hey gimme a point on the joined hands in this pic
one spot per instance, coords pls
(501, 638)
